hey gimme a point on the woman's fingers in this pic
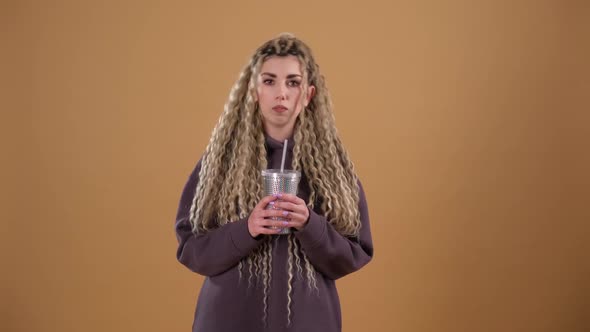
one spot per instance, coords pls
(272, 213)
(267, 230)
(263, 219)
(264, 202)
(269, 226)
(257, 222)
(259, 225)
(297, 210)
(291, 199)
(290, 208)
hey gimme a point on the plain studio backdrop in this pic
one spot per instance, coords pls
(467, 122)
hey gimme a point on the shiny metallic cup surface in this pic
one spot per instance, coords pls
(277, 182)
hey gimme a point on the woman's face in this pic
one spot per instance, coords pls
(278, 91)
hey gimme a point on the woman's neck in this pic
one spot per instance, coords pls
(279, 134)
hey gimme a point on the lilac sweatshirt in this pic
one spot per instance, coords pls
(227, 303)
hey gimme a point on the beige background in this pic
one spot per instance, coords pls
(467, 121)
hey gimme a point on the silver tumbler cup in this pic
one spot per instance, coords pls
(277, 182)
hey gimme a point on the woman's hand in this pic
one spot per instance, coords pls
(294, 210)
(258, 222)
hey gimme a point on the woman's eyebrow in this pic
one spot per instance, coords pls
(274, 75)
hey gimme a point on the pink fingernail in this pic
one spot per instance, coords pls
(285, 213)
(271, 203)
(285, 223)
(278, 195)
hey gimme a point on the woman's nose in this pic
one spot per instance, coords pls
(282, 93)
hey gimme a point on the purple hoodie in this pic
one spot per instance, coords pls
(227, 303)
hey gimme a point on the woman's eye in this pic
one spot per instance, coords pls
(268, 81)
(294, 83)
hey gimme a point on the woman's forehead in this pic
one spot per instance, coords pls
(281, 65)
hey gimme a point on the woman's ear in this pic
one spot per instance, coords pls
(310, 94)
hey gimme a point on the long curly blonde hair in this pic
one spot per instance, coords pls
(230, 182)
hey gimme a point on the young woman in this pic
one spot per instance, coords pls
(258, 280)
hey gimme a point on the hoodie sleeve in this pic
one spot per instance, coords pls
(215, 251)
(332, 254)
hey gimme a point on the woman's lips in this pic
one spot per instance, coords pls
(279, 108)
